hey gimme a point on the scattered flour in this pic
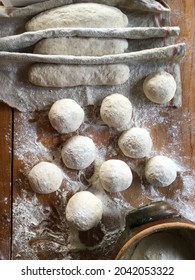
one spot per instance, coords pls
(40, 228)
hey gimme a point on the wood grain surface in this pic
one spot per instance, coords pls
(15, 242)
(5, 180)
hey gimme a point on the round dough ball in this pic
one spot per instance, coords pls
(135, 142)
(116, 110)
(84, 210)
(159, 87)
(160, 171)
(115, 175)
(66, 115)
(45, 177)
(78, 152)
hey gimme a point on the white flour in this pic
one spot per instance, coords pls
(41, 227)
(162, 246)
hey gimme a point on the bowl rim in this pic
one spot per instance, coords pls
(150, 230)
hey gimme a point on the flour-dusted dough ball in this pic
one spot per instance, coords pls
(81, 46)
(78, 152)
(84, 210)
(135, 142)
(86, 15)
(115, 175)
(160, 171)
(61, 75)
(160, 87)
(45, 177)
(66, 115)
(116, 110)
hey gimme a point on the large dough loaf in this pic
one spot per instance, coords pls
(91, 15)
(52, 75)
(81, 46)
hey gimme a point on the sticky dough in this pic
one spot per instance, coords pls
(79, 15)
(81, 46)
(52, 75)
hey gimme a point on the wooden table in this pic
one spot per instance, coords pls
(12, 177)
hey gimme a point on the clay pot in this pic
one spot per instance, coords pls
(150, 219)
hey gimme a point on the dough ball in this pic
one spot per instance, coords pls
(115, 175)
(160, 87)
(84, 210)
(160, 171)
(80, 15)
(66, 115)
(60, 75)
(81, 46)
(78, 152)
(45, 177)
(116, 110)
(135, 142)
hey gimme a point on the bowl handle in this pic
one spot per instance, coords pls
(149, 213)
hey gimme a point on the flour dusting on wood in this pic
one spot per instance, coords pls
(41, 227)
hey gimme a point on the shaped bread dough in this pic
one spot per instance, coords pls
(135, 142)
(115, 175)
(160, 171)
(52, 75)
(78, 152)
(84, 210)
(87, 15)
(66, 115)
(45, 177)
(81, 46)
(159, 87)
(116, 110)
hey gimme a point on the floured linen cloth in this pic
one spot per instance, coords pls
(151, 49)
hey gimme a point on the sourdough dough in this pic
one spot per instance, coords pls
(78, 152)
(45, 177)
(159, 87)
(160, 171)
(91, 15)
(135, 142)
(162, 246)
(52, 75)
(116, 111)
(84, 210)
(66, 115)
(81, 46)
(115, 175)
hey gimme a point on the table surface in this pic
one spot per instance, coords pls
(12, 174)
